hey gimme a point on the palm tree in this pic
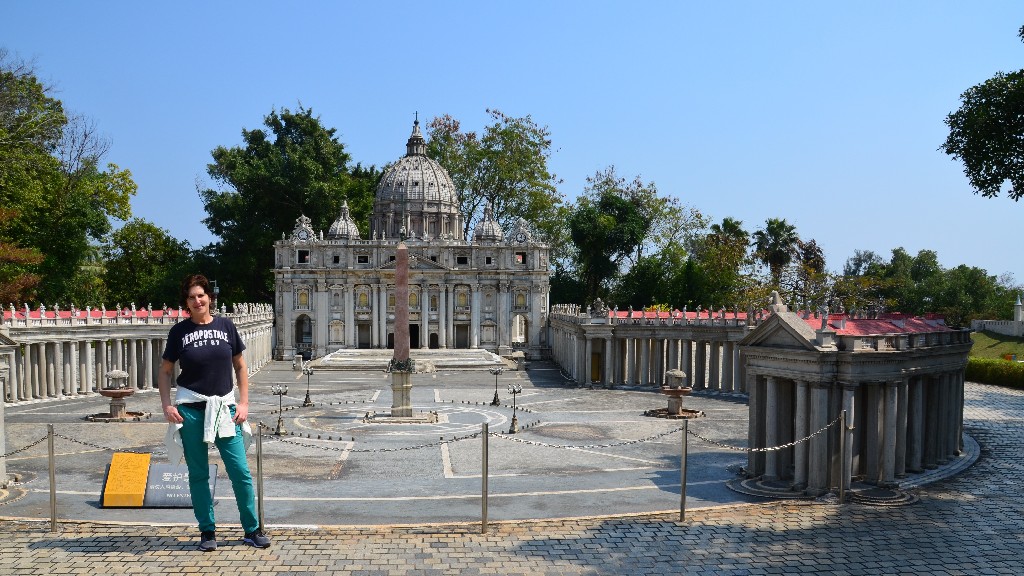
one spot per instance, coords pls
(775, 245)
(731, 229)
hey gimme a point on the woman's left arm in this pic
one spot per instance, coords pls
(242, 377)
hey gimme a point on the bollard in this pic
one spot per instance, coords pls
(682, 476)
(259, 472)
(53, 480)
(483, 483)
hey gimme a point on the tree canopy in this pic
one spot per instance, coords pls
(987, 134)
(294, 167)
(506, 167)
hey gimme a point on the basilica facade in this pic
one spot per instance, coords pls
(336, 290)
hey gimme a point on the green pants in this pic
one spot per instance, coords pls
(232, 453)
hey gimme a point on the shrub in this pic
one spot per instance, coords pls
(993, 371)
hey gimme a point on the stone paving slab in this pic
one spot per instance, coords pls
(972, 523)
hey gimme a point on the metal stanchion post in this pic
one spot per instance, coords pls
(53, 480)
(842, 457)
(682, 476)
(259, 471)
(483, 483)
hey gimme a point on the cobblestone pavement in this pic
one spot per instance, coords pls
(970, 524)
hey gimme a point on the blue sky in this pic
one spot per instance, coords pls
(827, 114)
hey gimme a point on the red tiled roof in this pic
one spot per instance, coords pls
(887, 324)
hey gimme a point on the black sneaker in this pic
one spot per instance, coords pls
(257, 539)
(208, 541)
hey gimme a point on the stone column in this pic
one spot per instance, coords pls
(728, 363)
(700, 361)
(658, 361)
(818, 464)
(687, 362)
(348, 298)
(104, 366)
(931, 430)
(901, 428)
(451, 316)
(629, 376)
(848, 404)
(147, 355)
(872, 449)
(887, 475)
(645, 361)
(588, 359)
(425, 316)
(609, 361)
(771, 436)
(442, 316)
(25, 385)
(715, 379)
(474, 327)
(132, 365)
(84, 367)
(960, 377)
(915, 425)
(755, 425)
(48, 371)
(801, 423)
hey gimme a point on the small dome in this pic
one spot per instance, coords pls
(488, 229)
(344, 226)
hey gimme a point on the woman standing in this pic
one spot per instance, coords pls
(204, 411)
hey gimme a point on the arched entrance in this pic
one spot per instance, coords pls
(304, 336)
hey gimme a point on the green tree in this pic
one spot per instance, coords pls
(506, 166)
(296, 166)
(775, 245)
(987, 134)
(144, 264)
(605, 228)
(52, 180)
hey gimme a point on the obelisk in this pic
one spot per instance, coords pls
(401, 365)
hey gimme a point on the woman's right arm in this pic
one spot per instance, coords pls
(164, 382)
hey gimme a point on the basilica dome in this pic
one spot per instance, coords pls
(416, 197)
(344, 227)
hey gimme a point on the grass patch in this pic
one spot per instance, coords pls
(992, 345)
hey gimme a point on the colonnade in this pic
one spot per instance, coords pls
(609, 350)
(65, 359)
(894, 427)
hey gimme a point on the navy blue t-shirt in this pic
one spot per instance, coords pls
(204, 353)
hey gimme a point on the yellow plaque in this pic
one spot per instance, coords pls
(126, 480)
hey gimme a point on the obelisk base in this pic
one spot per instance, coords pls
(401, 394)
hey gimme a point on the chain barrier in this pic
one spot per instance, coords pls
(768, 448)
(20, 450)
(586, 446)
(292, 441)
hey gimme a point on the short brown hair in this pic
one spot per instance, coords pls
(194, 280)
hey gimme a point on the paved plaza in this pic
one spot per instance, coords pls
(381, 499)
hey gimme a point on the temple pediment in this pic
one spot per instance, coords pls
(781, 330)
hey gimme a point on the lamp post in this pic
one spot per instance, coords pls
(280, 391)
(308, 371)
(496, 371)
(514, 389)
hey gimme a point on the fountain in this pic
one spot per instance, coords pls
(675, 390)
(117, 390)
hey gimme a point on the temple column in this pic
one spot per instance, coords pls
(873, 432)
(348, 296)
(147, 361)
(728, 362)
(715, 378)
(931, 430)
(645, 361)
(442, 316)
(687, 361)
(50, 390)
(424, 316)
(915, 425)
(755, 425)
(847, 456)
(658, 367)
(103, 364)
(901, 428)
(887, 474)
(588, 359)
(771, 433)
(132, 365)
(609, 361)
(475, 318)
(700, 365)
(630, 375)
(818, 464)
(800, 425)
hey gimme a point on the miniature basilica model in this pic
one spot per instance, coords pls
(337, 290)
